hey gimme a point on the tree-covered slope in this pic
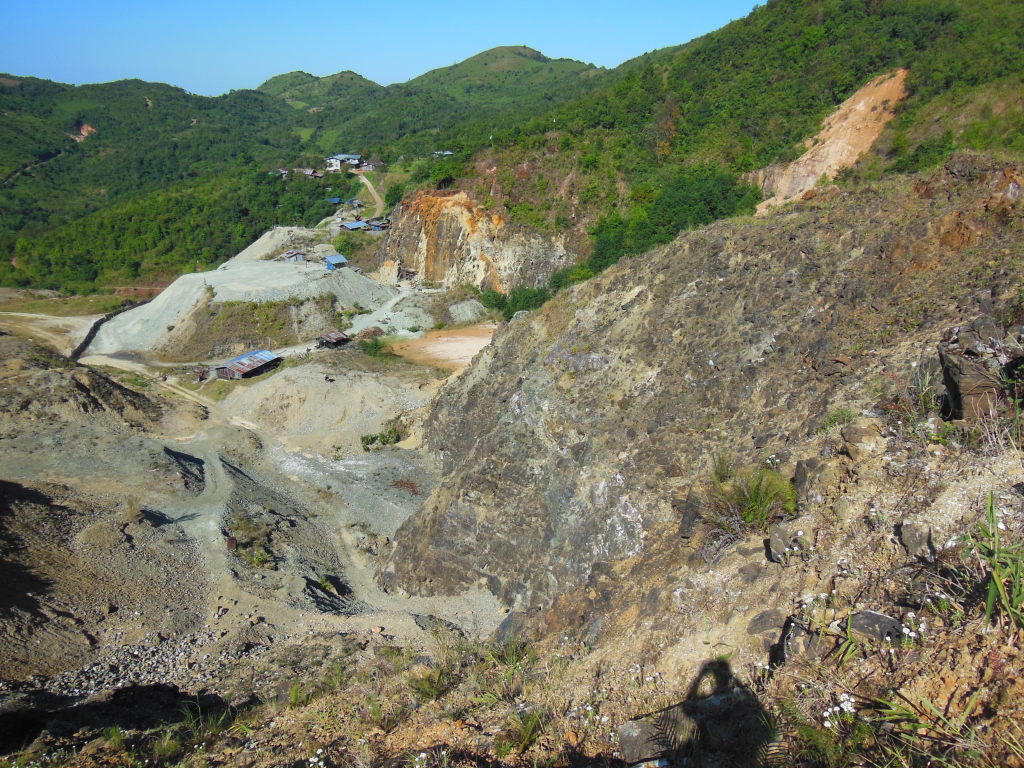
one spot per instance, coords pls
(159, 235)
(617, 158)
(133, 137)
(343, 90)
(746, 96)
(495, 87)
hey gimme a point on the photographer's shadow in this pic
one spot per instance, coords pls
(720, 724)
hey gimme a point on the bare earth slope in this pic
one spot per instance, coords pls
(846, 135)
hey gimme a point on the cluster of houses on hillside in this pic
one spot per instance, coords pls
(336, 163)
(351, 163)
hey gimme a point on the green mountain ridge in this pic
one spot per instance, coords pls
(599, 145)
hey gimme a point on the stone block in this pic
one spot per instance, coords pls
(877, 626)
(917, 540)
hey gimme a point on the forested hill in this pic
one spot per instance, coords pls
(70, 151)
(455, 106)
(67, 153)
(653, 152)
(619, 160)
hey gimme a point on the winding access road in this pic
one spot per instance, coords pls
(377, 202)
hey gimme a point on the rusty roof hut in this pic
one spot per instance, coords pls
(332, 339)
(249, 364)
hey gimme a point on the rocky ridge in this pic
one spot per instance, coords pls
(574, 440)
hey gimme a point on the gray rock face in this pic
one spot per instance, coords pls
(917, 539)
(877, 626)
(573, 437)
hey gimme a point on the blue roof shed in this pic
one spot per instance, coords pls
(334, 200)
(353, 225)
(335, 261)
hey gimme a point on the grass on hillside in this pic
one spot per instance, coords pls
(66, 306)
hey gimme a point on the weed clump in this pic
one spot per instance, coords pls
(389, 436)
(749, 498)
(375, 347)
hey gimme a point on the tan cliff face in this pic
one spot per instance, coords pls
(447, 237)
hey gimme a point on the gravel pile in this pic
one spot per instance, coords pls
(143, 328)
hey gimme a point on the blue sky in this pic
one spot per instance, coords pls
(218, 45)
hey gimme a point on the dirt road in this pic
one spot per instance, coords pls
(149, 373)
(377, 202)
(60, 333)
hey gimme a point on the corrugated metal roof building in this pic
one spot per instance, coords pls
(353, 225)
(335, 261)
(248, 364)
(332, 339)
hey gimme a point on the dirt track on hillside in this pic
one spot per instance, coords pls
(60, 333)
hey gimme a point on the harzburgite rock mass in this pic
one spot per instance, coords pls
(566, 444)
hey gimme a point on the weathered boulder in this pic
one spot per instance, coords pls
(917, 539)
(468, 311)
(877, 626)
(975, 361)
(862, 439)
(789, 540)
(816, 479)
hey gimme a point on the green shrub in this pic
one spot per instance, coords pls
(1004, 568)
(837, 418)
(375, 347)
(492, 299)
(524, 299)
(752, 498)
(167, 747)
(433, 685)
(389, 436)
(521, 731)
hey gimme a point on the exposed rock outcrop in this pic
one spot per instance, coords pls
(447, 237)
(565, 443)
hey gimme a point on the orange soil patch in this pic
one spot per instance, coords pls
(846, 135)
(9, 81)
(451, 350)
(84, 132)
